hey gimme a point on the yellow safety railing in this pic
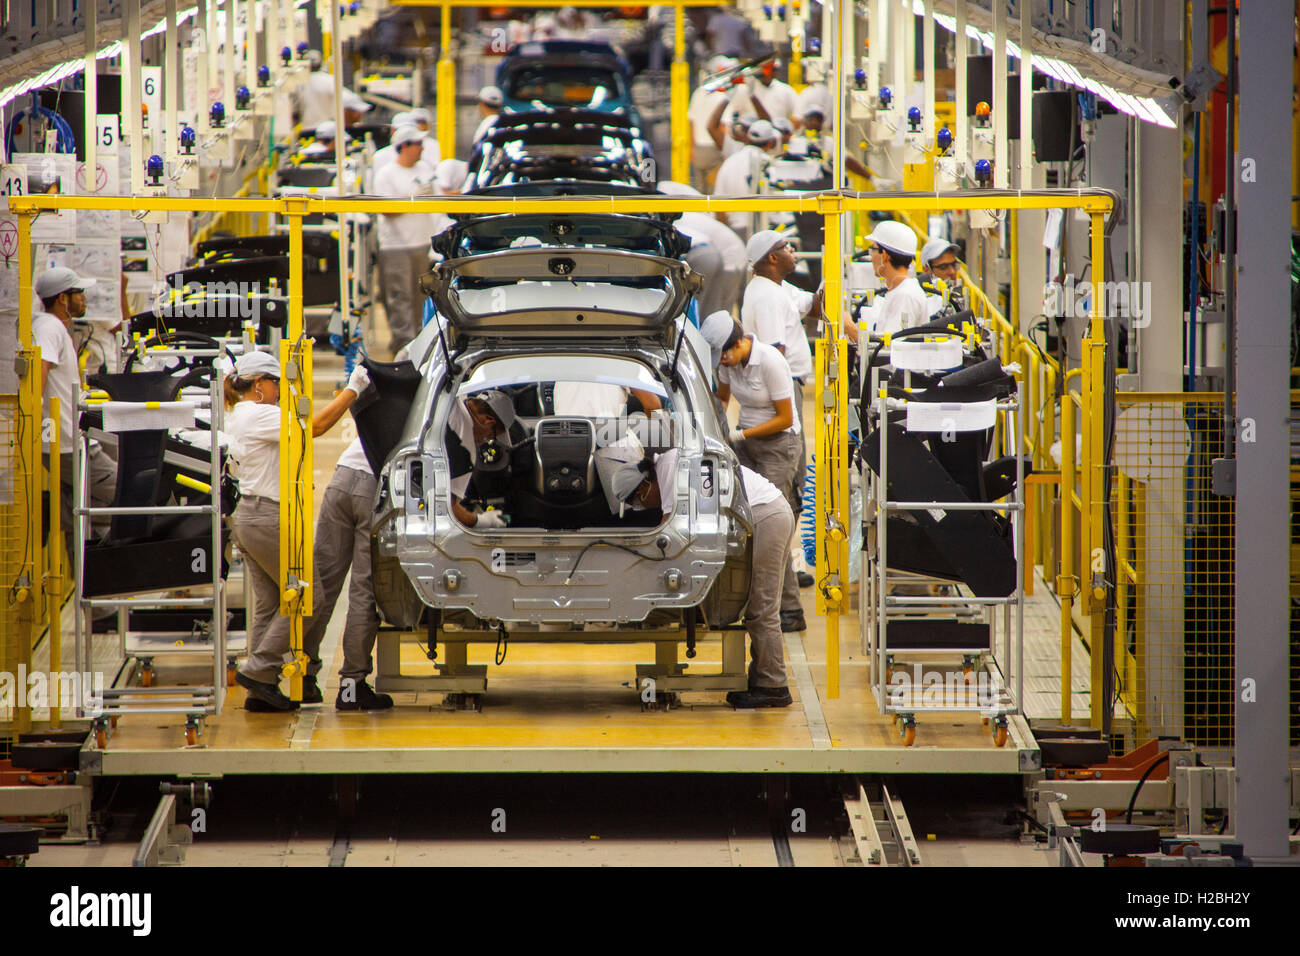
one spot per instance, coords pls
(830, 394)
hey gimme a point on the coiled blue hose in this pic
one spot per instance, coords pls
(808, 517)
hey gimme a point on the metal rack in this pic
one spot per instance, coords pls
(195, 702)
(947, 621)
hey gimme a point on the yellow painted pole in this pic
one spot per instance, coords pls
(679, 98)
(1065, 581)
(29, 413)
(1094, 382)
(446, 87)
(53, 583)
(296, 480)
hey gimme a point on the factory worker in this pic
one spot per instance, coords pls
(62, 294)
(315, 99)
(774, 312)
(893, 247)
(324, 137)
(490, 99)
(404, 237)
(386, 154)
(253, 425)
(739, 175)
(481, 430)
(939, 259)
(766, 96)
(817, 129)
(721, 290)
(424, 123)
(767, 435)
(705, 111)
(632, 481)
(341, 543)
(354, 108)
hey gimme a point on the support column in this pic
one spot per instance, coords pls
(1263, 335)
(1159, 205)
(679, 97)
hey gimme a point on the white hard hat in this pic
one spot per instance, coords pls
(760, 244)
(421, 115)
(762, 132)
(491, 96)
(895, 237)
(933, 249)
(401, 119)
(54, 281)
(253, 364)
(406, 134)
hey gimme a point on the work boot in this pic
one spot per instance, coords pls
(365, 698)
(268, 694)
(311, 691)
(805, 579)
(792, 621)
(760, 697)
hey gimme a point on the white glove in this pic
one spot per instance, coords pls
(490, 519)
(737, 434)
(359, 379)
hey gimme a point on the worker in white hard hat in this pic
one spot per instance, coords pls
(939, 259)
(404, 237)
(739, 175)
(423, 121)
(893, 248)
(490, 99)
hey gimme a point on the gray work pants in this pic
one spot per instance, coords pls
(773, 523)
(256, 526)
(802, 471)
(777, 459)
(705, 161)
(399, 274)
(342, 541)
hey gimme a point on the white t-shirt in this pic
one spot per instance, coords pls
(405, 230)
(758, 489)
(461, 426)
(592, 399)
(665, 475)
(354, 456)
(700, 111)
(903, 307)
(64, 380)
(719, 234)
(316, 99)
(779, 100)
(488, 122)
(739, 176)
(774, 314)
(254, 431)
(764, 380)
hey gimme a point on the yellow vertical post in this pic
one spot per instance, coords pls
(679, 98)
(1065, 582)
(1094, 419)
(446, 87)
(830, 403)
(296, 484)
(29, 413)
(796, 47)
(1123, 560)
(53, 583)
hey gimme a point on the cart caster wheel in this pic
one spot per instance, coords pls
(231, 671)
(1000, 733)
(908, 732)
(191, 736)
(146, 677)
(101, 738)
(112, 722)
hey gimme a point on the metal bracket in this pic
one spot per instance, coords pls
(1223, 477)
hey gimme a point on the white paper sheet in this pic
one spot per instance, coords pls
(139, 416)
(921, 356)
(951, 416)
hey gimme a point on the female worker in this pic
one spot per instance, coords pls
(766, 437)
(253, 426)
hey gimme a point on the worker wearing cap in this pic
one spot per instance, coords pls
(893, 247)
(767, 435)
(324, 136)
(404, 237)
(767, 96)
(708, 136)
(721, 289)
(316, 97)
(816, 128)
(253, 425)
(490, 99)
(939, 259)
(386, 154)
(739, 175)
(424, 123)
(63, 298)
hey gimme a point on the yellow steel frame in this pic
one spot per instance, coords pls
(679, 71)
(831, 400)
